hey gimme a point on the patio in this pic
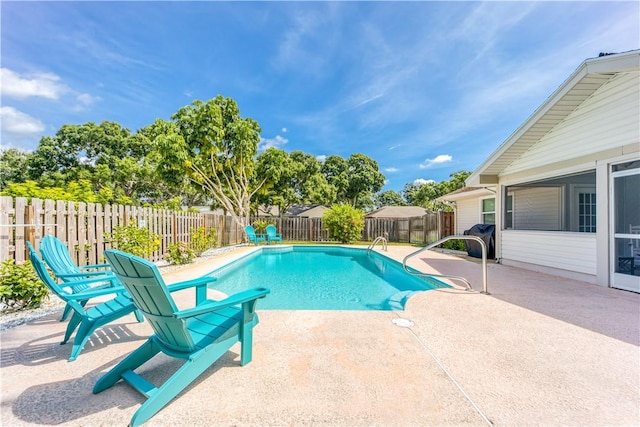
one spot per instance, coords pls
(539, 350)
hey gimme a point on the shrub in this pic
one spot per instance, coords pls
(455, 244)
(201, 239)
(260, 226)
(20, 287)
(180, 253)
(139, 241)
(344, 222)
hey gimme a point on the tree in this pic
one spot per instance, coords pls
(389, 198)
(364, 179)
(292, 178)
(13, 165)
(427, 194)
(355, 179)
(409, 191)
(216, 149)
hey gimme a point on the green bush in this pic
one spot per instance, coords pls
(344, 222)
(260, 225)
(139, 241)
(20, 287)
(455, 244)
(180, 253)
(201, 239)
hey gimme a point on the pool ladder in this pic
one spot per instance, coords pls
(376, 240)
(445, 276)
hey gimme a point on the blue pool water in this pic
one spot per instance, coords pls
(323, 278)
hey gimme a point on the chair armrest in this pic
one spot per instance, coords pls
(95, 266)
(92, 293)
(210, 306)
(200, 281)
(85, 274)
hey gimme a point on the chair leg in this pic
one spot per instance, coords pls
(65, 313)
(73, 324)
(67, 310)
(139, 356)
(139, 316)
(192, 369)
(84, 332)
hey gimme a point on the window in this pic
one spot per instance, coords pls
(488, 215)
(587, 212)
(508, 217)
(564, 203)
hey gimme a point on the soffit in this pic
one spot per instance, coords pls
(547, 121)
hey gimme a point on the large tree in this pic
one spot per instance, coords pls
(389, 198)
(216, 149)
(293, 178)
(13, 165)
(426, 194)
(362, 179)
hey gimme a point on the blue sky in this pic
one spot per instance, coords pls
(424, 88)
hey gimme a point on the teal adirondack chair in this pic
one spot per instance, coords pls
(57, 257)
(88, 319)
(272, 234)
(253, 237)
(199, 335)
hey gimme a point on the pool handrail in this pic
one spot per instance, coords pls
(376, 240)
(453, 237)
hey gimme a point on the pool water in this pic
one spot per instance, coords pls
(323, 278)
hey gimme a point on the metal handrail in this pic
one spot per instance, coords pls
(438, 242)
(376, 240)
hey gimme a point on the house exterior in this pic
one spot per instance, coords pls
(564, 188)
(398, 212)
(300, 210)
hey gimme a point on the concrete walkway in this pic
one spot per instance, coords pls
(539, 350)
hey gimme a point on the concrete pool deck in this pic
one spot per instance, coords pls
(539, 350)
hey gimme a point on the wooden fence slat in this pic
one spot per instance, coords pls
(20, 210)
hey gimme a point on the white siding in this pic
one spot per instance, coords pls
(467, 214)
(538, 208)
(565, 251)
(608, 119)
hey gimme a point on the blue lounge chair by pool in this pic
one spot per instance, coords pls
(199, 335)
(253, 237)
(272, 234)
(87, 320)
(57, 257)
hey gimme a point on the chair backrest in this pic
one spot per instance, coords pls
(43, 274)
(144, 283)
(56, 255)
(251, 232)
(271, 230)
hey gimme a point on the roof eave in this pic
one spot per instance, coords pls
(606, 65)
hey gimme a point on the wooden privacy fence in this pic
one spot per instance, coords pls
(419, 230)
(83, 227)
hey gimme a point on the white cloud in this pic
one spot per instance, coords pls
(284, 130)
(45, 85)
(391, 170)
(17, 122)
(321, 158)
(85, 100)
(422, 181)
(277, 142)
(438, 160)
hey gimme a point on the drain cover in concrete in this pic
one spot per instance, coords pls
(403, 323)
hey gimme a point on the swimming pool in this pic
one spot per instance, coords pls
(323, 278)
